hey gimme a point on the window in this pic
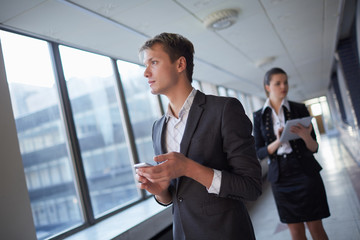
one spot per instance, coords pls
(41, 133)
(63, 197)
(142, 105)
(105, 154)
(221, 91)
(196, 84)
(232, 93)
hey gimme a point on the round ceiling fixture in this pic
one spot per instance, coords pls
(221, 19)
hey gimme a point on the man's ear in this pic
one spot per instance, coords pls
(181, 64)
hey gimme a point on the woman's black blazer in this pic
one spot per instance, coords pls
(264, 135)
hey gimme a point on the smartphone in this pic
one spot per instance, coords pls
(140, 165)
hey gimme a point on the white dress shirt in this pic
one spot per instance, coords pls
(175, 131)
(279, 122)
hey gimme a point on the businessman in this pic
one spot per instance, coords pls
(207, 164)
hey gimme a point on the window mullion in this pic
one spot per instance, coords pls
(129, 133)
(72, 135)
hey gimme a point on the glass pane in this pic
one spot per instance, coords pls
(196, 84)
(242, 98)
(143, 107)
(43, 143)
(232, 93)
(164, 103)
(105, 153)
(316, 109)
(222, 91)
(329, 124)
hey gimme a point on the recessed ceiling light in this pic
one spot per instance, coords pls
(276, 1)
(265, 61)
(221, 19)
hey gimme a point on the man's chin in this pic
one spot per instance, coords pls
(154, 92)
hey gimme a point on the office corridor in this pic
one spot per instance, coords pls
(341, 175)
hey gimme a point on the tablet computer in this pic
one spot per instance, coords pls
(287, 135)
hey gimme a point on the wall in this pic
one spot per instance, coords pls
(15, 212)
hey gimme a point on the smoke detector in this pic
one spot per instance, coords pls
(221, 19)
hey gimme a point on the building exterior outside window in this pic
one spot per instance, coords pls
(42, 137)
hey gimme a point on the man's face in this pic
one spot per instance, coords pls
(161, 73)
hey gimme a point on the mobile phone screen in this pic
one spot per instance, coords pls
(140, 165)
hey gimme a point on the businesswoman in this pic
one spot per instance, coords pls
(293, 171)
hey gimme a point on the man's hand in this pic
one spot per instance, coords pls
(156, 179)
(172, 165)
(158, 188)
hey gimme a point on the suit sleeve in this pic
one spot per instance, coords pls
(260, 145)
(243, 181)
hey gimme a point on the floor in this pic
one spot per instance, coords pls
(341, 176)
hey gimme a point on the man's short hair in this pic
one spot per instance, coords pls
(175, 46)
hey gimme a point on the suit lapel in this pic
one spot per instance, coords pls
(268, 125)
(191, 124)
(193, 119)
(287, 114)
(160, 136)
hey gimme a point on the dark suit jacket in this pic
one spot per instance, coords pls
(264, 135)
(217, 135)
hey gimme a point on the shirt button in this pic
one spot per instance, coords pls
(180, 199)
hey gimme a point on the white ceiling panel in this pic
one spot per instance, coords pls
(109, 8)
(248, 36)
(12, 8)
(300, 34)
(202, 8)
(151, 16)
(68, 25)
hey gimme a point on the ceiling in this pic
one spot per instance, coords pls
(300, 34)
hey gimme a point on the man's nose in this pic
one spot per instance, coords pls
(147, 73)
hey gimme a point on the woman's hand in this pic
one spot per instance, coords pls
(279, 132)
(272, 147)
(305, 134)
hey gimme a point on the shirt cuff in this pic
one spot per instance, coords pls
(216, 182)
(161, 203)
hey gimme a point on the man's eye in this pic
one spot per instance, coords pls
(154, 62)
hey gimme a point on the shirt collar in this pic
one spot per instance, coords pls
(284, 103)
(185, 108)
